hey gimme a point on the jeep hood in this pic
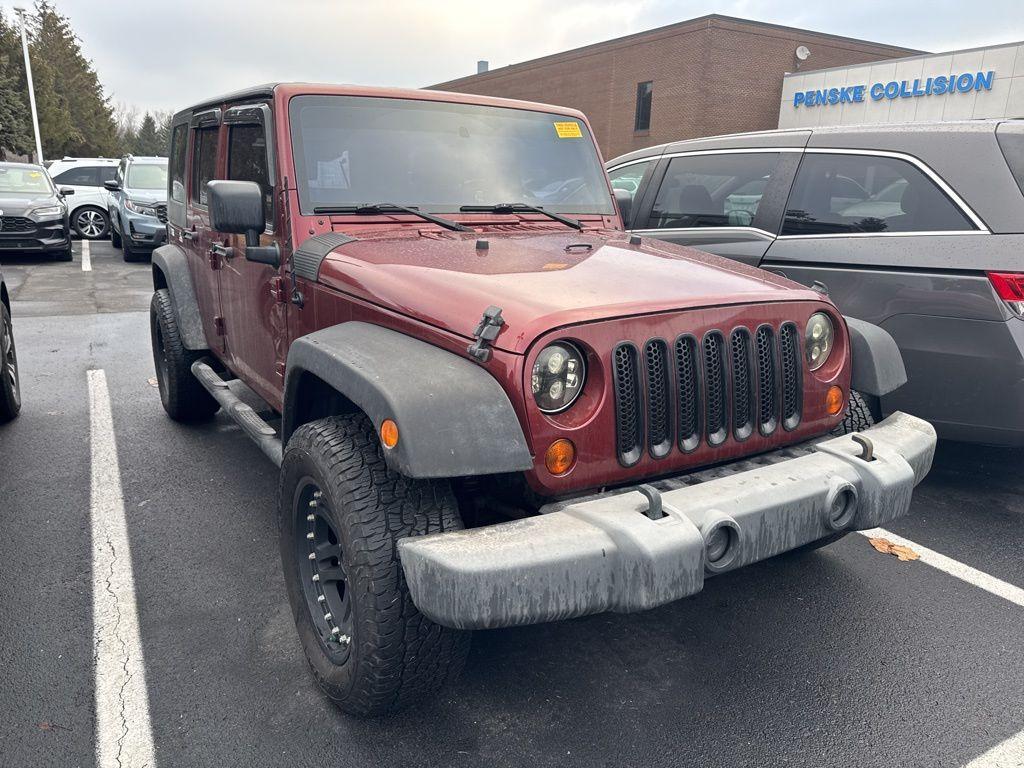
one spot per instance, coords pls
(541, 281)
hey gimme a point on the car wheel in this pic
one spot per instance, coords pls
(90, 223)
(10, 384)
(128, 253)
(860, 414)
(181, 394)
(341, 513)
(115, 237)
(68, 254)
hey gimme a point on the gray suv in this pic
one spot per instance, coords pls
(918, 228)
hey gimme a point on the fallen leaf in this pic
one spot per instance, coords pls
(45, 726)
(153, 382)
(887, 547)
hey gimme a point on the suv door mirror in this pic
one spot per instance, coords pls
(236, 207)
(624, 199)
(65, 191)
(112, 185)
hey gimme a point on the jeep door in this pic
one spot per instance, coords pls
(252, 295)
(191, 220)
(724, 201)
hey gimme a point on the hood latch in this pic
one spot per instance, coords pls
(486, 332)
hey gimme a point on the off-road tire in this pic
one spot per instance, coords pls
(115, 237)
(860, 415)
(395, 656)
(182, 395)
(10, 391)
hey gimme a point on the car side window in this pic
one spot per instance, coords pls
(176, 169)
(836, 194)
(247, 161)
(79, 177)
(715, 190)
(107, 173)
(204, 162)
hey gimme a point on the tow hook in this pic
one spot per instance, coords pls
(867, 448)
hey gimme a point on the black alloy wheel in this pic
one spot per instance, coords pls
(10, 384)
(322, 571)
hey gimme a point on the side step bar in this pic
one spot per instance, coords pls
(264, 435)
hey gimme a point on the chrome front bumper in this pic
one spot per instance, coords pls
(606, 553)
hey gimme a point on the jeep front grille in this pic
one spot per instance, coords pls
(705, 390)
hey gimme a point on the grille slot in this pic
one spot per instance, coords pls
(768, 399)
(629, 428)
(706, 389)
(743, 395)
(688, 381)
(789, 352)
(16, 224)
(659, 402)
(716, 408)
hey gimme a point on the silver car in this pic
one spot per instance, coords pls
(918, 228)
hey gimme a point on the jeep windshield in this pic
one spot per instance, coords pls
(441, 157)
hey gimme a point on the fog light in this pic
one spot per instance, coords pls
(560, 456)
(389, 433)
(834, 400)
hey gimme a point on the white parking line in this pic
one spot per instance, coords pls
(86, 257)
(1009, 754)
(972, 576)
(124, 737)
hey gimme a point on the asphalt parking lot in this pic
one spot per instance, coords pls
(842, 657)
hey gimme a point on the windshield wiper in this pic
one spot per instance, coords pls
(377, 209)
(520, 208)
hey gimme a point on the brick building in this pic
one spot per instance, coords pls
(710, 75)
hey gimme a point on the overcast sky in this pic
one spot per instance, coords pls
(164, 54)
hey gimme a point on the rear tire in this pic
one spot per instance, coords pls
(370, 650)
(182, 395)
(860, 414)
(10, 385)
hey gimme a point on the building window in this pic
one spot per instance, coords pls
(643, 106)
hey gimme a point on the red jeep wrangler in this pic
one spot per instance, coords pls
(489, 405)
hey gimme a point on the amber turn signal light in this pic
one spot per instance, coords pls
(389, 433)
(834, 400)
(560, 456)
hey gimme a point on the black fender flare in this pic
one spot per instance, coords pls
(877, 363)
(454, 419)
(172, 264)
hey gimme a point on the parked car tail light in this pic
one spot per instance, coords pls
(1009, 287)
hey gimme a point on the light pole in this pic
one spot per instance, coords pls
(31, 88)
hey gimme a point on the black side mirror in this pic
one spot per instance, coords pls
(65, 191)
(624, 199)
(236, 207)
(112, 185)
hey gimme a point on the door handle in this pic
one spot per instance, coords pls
(224, 251)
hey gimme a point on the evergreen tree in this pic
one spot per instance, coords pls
(147, 141)
(74, 115)
(15, 120)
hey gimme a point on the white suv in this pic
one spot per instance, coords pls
(88, 206)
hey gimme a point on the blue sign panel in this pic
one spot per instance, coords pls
(903, 89)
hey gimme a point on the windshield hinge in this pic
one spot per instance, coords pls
(486, 332)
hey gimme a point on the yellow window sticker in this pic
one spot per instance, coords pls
(568, 130)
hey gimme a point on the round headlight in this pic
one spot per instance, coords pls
(557, 376)
(818, 340)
